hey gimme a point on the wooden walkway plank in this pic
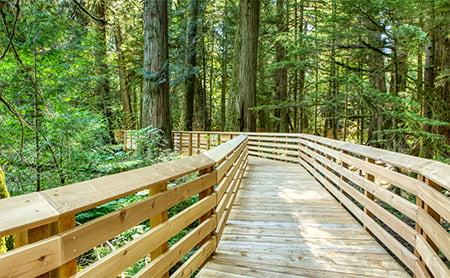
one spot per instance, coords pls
(285, 224)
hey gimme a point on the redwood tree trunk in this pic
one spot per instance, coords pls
(103, 90)
(281, 73)
(123, 84)
(155, 104)
(249, 29)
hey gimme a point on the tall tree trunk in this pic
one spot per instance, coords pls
(191, 82)
(224, 74)
(249, 29)
(301, 118)
(155, 95)
(281, 73)
(426, 147)
(103, 89)
(377, 79)
(442, 66)
(123, 81)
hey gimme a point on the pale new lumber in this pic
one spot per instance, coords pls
(224, 167)
(123, 257)
(256, 226)
(163, 263)
(397, 248)
(218, 154)
(431, 259)
(401, 228)
(281, 152)
(33, 210)
(402, 181)
(196, 260)
(228, 179)
(433, 229)
(69, 267)
(308, 266)
(25, 212)
(32, 260)
(82, 238)
(404, 206)
(436, 171)
(435, 199)
(227, 202)
(85, 195)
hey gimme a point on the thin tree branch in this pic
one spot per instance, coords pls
(102, 20)
(11, 34)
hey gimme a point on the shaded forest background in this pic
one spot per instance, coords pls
(71, 72)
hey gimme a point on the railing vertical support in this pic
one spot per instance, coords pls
(420, 203)
(208, 141)
(198, 143)
(205, 193)
(155, 221)
(42, 232)
(369, 195)
(65, 223)
(190, 145)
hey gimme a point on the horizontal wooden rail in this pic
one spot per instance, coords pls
(400, 199)
(48, 241)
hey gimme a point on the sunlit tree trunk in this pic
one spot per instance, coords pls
(155, 95)
(249, 29)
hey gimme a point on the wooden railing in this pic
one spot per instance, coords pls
(48, 241)
(401, 200)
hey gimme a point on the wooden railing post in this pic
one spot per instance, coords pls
(369, 195)
(190, 145)
(202, 195)
(198, 143)
(155, 221)
(208, 141)
(420, 203)
(65, 223)
(42, 232)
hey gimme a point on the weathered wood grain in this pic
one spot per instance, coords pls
(285, 224)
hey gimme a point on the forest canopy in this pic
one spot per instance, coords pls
(373, 72)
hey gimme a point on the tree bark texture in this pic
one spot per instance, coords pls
(249, 25)
(377, 79)
(281, 73)
(155, 96)
(123, 81)
(103, 90)
(191, 84)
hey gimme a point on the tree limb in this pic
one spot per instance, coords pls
(102, 20)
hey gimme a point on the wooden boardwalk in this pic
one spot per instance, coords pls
(285, 224)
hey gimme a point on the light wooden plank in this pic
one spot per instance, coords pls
(433, 229)
(432, 260)
(122, 258)
(163, 263)
(32, 260)
(276, 222)
(196, 260)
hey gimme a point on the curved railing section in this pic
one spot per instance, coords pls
(48, 241)
(400, 199)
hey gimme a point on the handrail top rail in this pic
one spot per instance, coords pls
(38, 208)
(437, 171)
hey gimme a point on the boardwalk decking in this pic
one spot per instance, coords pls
(285, 224)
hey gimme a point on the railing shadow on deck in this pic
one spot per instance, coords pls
(398, 198)
(48, 240)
